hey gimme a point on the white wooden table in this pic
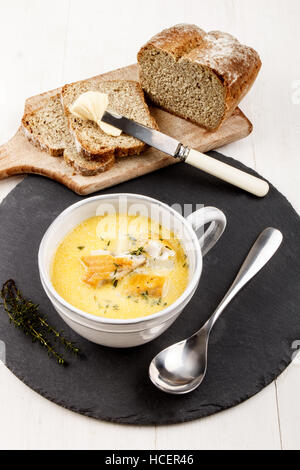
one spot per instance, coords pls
(44, 44)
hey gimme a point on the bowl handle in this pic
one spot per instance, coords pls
(217, 223)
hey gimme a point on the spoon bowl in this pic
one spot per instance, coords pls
(181, 367)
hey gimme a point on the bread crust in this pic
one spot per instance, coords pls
(88, 168)
(235, 64)
(177, 40)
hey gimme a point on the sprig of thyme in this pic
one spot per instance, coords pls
(25, 315)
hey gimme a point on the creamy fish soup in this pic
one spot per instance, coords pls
(139, 272)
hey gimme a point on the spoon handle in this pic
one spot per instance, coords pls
(261, 252)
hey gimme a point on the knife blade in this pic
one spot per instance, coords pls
(149, 136)
(193, 157)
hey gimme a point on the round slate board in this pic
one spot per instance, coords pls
(250, 345)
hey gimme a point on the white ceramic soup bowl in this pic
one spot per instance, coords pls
(133, 332)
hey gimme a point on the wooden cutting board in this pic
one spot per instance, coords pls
(19, 156)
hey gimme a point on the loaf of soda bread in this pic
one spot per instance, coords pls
(198, 76)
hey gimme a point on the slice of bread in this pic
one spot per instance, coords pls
(126, 97)
(87, 167)
(195, 75)
(47, 128)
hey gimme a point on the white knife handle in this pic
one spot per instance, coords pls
(227, 173)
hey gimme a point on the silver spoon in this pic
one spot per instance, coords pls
(180, 368)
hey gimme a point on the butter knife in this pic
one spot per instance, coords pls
(173, 147)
